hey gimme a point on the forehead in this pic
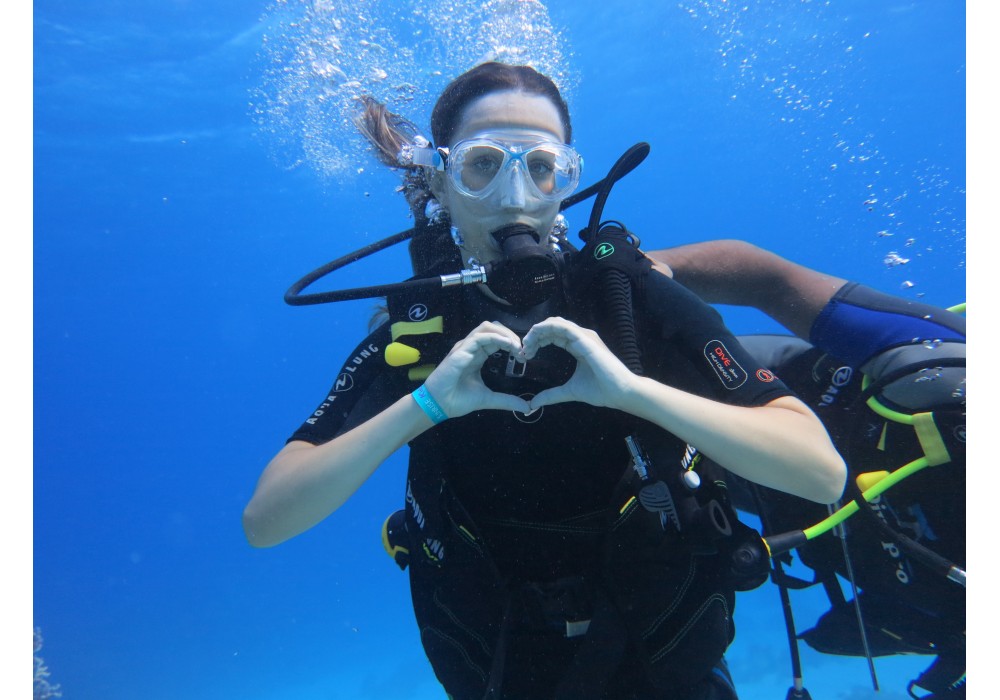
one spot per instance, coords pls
(510, 109)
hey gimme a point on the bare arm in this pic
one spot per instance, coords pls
(305, 483)
(781, 444)
(738, 273)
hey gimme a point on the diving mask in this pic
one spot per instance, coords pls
(543, 168)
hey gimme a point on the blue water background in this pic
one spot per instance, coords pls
(167, 369)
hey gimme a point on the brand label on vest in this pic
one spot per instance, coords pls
(603, 250)
(532, 416)
(417, 313)
(838, 380)
(729, 371)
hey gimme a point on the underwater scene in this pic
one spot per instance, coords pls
(193, 160)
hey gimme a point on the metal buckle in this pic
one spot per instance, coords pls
(515, 369)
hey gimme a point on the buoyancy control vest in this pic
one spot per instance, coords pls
(638, 588)
(907, 607)
(631, 595)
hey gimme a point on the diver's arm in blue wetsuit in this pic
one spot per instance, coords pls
(739, 273)
(844, 319)
(304, 483)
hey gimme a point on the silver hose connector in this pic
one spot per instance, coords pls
(475, 275)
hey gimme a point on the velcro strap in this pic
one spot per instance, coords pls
(403, 328)
(930, 439)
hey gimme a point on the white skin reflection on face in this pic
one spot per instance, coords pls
(509, 113)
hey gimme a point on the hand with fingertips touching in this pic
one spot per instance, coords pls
(457, 385)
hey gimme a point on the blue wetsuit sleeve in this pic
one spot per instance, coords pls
(860, 322)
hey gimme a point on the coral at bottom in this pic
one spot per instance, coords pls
(43, 688)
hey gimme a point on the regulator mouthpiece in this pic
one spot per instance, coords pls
(527, 274)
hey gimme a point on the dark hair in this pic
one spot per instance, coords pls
(484, 79)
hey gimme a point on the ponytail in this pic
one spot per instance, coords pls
(394, 137)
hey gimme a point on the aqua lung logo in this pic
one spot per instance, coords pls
(841, 378)
(345, 382)
(417, 312)
(531, 416)
(960, 433)
(729, 371)
(603, 250)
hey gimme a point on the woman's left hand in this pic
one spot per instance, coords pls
(600, 378)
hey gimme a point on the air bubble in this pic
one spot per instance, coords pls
(928, 374)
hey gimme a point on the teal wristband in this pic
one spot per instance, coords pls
(429, 405)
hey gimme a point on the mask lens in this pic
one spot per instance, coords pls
(552, 170)
(541, 166)
(475, 166)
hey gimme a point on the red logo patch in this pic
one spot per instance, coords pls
(765, 375)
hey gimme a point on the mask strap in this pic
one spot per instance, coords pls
(429, 157)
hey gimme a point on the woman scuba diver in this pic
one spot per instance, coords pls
(562, 537)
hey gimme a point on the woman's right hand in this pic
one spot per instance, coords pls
(456, 383)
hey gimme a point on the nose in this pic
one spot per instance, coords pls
(512, 195)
